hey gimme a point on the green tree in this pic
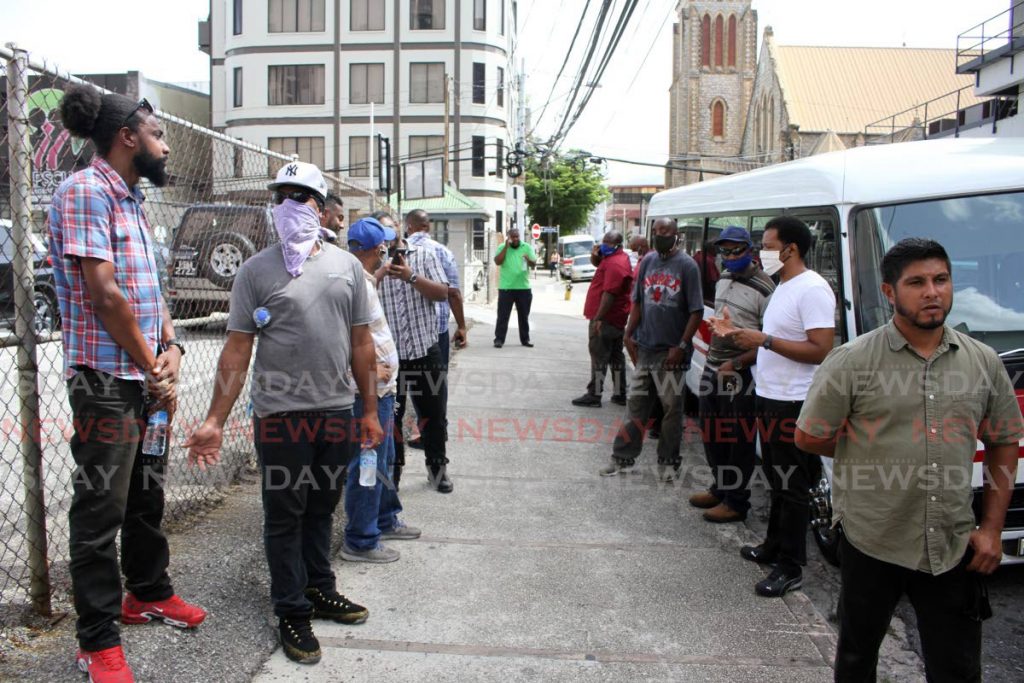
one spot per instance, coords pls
(562, 190)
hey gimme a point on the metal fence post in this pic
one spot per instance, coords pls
(30, 446)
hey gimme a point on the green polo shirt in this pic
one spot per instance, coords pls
(515, 274)
(907, 435)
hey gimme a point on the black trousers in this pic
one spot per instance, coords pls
(302, 464)
(425, 381)
(606, 353)
(791, 473)
(950, 608)
(522, 299)
(729, 427)
(115, 488)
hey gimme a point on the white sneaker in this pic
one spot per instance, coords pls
(379, 555)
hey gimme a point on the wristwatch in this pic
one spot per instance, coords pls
(174, 342)
(767, 343)
(737, 365)
(413, 278)
(684, 345)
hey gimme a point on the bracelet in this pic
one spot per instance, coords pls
(412, 279)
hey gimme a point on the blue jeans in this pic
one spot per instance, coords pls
(372, 510)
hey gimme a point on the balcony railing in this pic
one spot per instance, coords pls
(941, 117)
(992, 39)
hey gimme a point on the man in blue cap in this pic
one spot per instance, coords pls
(372, 511)
(727, 413)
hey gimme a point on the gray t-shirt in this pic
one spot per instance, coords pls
(305, 351)
(669, 291)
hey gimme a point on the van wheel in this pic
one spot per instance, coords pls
(828, 539)
(225, 256)
(47, 315)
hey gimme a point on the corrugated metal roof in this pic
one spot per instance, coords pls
(843, 89)
(453, 203)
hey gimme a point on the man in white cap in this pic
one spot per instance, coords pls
(306, 298)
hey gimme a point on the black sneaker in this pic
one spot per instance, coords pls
(498, 344)
(587, 400)
(619, 399)
(298, 641)
(438, 479)
(336, 607)
(779, 582)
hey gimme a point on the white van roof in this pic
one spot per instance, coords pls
(576, 238)
(863, 175)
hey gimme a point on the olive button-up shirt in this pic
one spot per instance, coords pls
(907, 429)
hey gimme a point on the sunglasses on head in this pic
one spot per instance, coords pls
(300, 196)
(724, 251)
(143, 104)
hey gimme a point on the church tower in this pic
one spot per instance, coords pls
(714, 61)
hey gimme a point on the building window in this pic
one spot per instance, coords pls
(479, 83)
(236, 16)
(501, 87)
(426, 146)
(295, 16)
(500, 156)
(719, 40)
(732, 40)
(705, 40)
(479, 15)
(366, 84)
(310, 150)
(359, 157)
(296, 84)
(718, 120)
(439, 231)
(478, 156)
(367, 15)
(426, 82)
(501, 26)
(426, 14)
(237, 83)
(499, 221)
(479, 234)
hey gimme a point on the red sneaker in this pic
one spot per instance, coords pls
(173, 611)
(105, 666)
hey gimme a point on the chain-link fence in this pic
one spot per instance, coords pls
(209, 218)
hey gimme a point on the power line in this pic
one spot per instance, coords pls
(568, 54)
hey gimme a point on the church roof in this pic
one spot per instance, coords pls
(843, 89)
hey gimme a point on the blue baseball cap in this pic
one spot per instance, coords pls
(368, 233)
(734, 233)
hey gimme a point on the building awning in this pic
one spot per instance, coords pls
(453, 204)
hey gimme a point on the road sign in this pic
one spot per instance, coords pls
(535, 230)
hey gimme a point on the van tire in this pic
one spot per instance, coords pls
(224, 256)
(828, 541)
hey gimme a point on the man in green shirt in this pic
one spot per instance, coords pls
(900, 409)
(516, 259)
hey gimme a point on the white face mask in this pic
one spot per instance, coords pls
(770, 261)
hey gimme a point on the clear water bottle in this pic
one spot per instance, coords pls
(155, 441)
(368, 467)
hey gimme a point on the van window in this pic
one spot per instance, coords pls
(984, 237)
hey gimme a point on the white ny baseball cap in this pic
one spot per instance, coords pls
(301, 174)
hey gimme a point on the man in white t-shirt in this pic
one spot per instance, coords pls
(798, 332)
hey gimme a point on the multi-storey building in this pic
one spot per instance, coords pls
(320, 78)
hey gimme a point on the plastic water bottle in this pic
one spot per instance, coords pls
(155, 441)
(368, 467)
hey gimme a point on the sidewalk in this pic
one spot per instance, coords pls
(535, 568)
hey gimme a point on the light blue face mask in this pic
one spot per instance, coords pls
(607, 249)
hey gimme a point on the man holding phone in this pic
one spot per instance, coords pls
(413, 282)
(515, 258)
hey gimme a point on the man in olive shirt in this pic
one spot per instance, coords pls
(515, 258)
(899, 409)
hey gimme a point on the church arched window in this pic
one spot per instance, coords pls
(718, 119)
(705, 40)
(719, 39)
(732, 40)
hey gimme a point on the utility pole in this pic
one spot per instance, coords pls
(447, 134)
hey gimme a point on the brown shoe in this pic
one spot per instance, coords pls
(704, 499)
(723, 514)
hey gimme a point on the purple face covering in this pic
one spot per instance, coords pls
(298, 226)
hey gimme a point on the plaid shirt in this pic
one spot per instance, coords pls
(422, 240)
(411, 316)
(95, 215)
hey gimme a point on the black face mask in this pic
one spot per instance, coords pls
(151, 167)
(664, 244)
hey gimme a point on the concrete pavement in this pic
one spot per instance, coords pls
(535, 568)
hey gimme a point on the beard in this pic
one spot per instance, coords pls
(924, 321)
(151, 167)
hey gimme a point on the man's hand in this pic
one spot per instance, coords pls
(631, 349)
(727, 368)
(461, 338)
(675, 360)
(743, 338)
(597, 326)
(370, 432)
(204, 444)
(399, 271)
(162, 380)
(988, 550)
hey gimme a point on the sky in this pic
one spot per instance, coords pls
(628, 115)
